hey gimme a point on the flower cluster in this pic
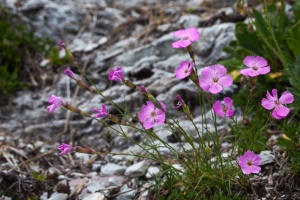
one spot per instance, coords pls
(212, 80)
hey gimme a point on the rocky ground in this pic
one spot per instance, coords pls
(103, 34)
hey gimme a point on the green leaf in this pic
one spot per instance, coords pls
(261, 24)
(38, 176)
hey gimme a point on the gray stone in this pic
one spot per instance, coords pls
(137, 169)
(110, 169)
(126, 193)
(58, 196)
(95, 196)
(94, 187)
(112, 181)
(189, 21)
(266, 157)
(153, 172)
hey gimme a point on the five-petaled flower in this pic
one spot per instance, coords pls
(184, 69)
(214, 77)
(69, 73)
(187, 37)
(116, 75)
(101, 113)
(271, 102)
(55, 103)
(257, 66)
(65, 148)
(149, 115)
(223, 110)
(250, 162)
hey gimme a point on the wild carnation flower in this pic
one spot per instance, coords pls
(149, 115)
(180, 101)
(224, 110)
(184, 69)
(116, 75)
(249, 162)
(214, 77)
(61, 45)
(187, 37)
(55, 103)
(69, 73)
(65, 148)
(257, 66)
(271, 102)
(101, 113)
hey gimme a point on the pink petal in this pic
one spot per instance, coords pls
(160, 117)
(267, 104)
(215, 88)
(149, 123)
(254, 169)
(218, 108)
(191, 31)
(228, 102)
(180, 33)
(263, 70)
(249, 61)
(145, 112)
(274, 93)
(260, 61)
(219, 70)
(193, 34)
(181, 44)
(184, 70)
(226, 80)
(51, 108)
(207, 72)
(247, 72)
(194, 37)
(229, 113)
(253, 73)
(280, 111)
(270, 97)
(286, 98)
(205, 83)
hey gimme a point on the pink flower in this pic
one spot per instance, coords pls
(249, 162)
(214, 77)
(224, 110)
(271, 102)
(65, 148)
(149, 115)
(143, 89)
(180, 101)
(187, 37)
(69, 73)
(257, 66)
(184, 69)
(101, 113)
(55, 103)
(116, 75)
(61, 45)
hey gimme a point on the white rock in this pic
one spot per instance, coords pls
(58, 196)
(266, 157)
(95, 196)
(94, 187)
(137, 169)
(153, 172)
(126, 193)
(44, 196)
(114, 182)
(112, 169)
